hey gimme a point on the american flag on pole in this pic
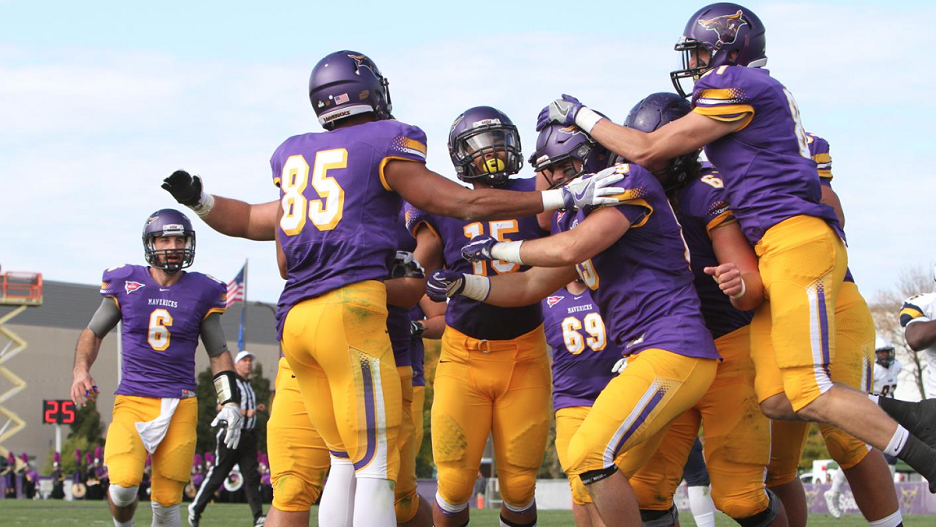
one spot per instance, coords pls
(236, 289)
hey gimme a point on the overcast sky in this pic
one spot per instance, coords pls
(101, 100)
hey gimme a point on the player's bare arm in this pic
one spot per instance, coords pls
(434, 323)
(921, 335)
(422, 187)
(86, 351)
(737, 273)
(830, 198)
(598, 232)
(228, 216)
(654, 150)
(280, 255)
(506, 290)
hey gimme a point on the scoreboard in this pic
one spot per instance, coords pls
(58, 411)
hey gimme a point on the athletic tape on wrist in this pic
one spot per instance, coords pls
(476, 287)
(507, 251)
(586, 119)
(225, 384)
(205, 204)
(552, 199)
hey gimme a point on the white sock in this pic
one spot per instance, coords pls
(124, 524)
(874, 398)
(897, 442)
(702, 507)
(891, 521)
(837, 481)
(166, 516)
(373, 503)
(337, 505)
(893, 470)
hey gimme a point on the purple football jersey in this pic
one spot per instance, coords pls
(161, 326)
(701, 207)
(581, 351)
(398, 318)
(418, 350)
(642, 283)
(338, 211)
(473, 318)
(768, 172)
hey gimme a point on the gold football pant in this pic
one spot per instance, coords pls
(485, 386)
(338, 348)
(125, 455)
(736, 440)
(802, 263)
(853, 366)
(298, 456)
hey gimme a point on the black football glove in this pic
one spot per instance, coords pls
(185, 188)
(417, 328)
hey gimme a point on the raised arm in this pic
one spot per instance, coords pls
(228, 216)
(437, 195)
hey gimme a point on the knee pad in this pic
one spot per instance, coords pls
(580, 495)
(649, 496)
(517, 489)
(122, 496)
(449, 508)
(844, 449)
(765, 517)
(406, 507)
(167, 493)
(166, 516)
(293, 494)
(659, 518)
(744, 504)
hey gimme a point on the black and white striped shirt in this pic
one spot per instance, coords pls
(248, 403)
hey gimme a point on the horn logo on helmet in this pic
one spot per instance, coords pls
(725, 26)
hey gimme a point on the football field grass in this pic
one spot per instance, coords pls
(22, 513)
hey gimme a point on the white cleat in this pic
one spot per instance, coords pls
(832, 502)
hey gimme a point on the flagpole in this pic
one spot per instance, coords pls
(243, 329)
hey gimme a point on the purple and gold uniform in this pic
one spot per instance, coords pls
(736, 433)
(493, 373)
(851, 365)
(161, 326)
(417, 357)
(581, 368)
(337, 234)
(643, 286)
(770, 180)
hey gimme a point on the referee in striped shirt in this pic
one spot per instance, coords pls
(245, 455)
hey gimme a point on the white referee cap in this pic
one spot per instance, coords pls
(243, 354)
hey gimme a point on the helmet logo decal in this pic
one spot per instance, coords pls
(341, 99)
(361, 61)
(130, 287)
(485, 122)
(725, 26)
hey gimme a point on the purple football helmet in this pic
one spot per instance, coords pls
(168, 222)
(650, 114)
(347, 83)
(557, 144)
(485, 146)
(720, 29)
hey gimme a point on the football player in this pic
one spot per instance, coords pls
(736, 434)
(918, 318)
(335, 243)
(865, 468)
(633, 259)
(750, 128)
(164, 311)
(493, 372)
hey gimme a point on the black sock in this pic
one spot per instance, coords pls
(917, 418)
(921, 458)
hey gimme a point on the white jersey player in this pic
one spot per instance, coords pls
(918, 318)
(886, 368)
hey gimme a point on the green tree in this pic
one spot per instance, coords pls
(88, 424)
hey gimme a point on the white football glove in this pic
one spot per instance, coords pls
(232, 419)
(619, 366)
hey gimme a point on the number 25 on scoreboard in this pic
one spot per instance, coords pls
(58, 412)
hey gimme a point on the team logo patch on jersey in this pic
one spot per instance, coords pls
(553, 300)
(725, 26)
(130, 287)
